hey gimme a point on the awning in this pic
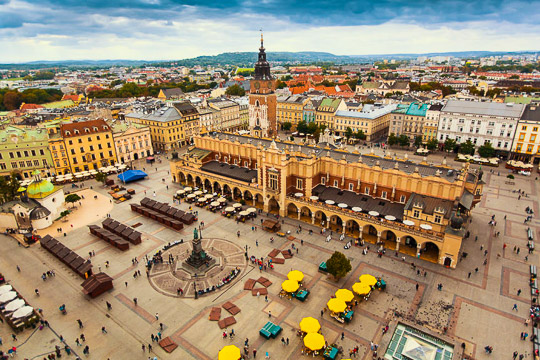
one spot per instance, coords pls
(466, 199)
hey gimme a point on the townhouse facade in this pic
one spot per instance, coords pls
(373, 121)
(526, 144)
(290, 109)
(326, 111)
(132, 141)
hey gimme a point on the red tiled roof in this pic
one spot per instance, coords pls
(84, 128)
(73, 97)
(31, 106)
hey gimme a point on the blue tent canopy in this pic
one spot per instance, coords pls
(132, 175)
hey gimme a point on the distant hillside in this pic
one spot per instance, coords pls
(247, 59)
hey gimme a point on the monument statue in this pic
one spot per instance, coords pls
(198, 256)
(195, 234)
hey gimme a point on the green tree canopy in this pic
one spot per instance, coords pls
(467, 148)
(8, 187)
(403, 140)
(418, 141)
(360, 135)
(101, 177)
(432, 144)
(72, 198)
(392, 139)
(302, 127)
(236, 90)
(449, 144)
(348, 133)
(338, 265)
(286, 126)
(486, 150)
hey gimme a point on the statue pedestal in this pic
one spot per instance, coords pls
(199, 262)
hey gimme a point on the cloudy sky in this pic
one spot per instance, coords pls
(175, 29)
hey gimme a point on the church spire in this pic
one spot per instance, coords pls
(262, 46)
(262, 67)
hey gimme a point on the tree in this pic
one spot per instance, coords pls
(12, 100)
(467, 148)
(432, 144)
(449, 145)
(8, 187)
(392, 139)
(403, 140)
(280, 84)
(72, 198)
(286, 126)
(514, 77)
(338, 265)
(302, 127)
(348, 133)
(486, 150)
(235, 90)
(101, 177)
(418, 141)
(360, 135)
(312, 128)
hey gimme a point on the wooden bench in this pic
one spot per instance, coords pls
(250, 283)
(168, 345)
(273, 253)
(264, 281)
(215, 314)
(228, 321)
(278, 261)
(261, 291)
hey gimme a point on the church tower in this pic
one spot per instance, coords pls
(262, 99)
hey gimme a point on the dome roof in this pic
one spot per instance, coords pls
(39, 213)
(40, 188)
(456, 222)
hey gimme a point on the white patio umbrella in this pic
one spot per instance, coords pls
(23, 312)
(188, 189)
(390, 217)
(229, 209)
(214, 203)
(425, 226)
(191, 196)
(373, 213)
(237, 205)
(93, 172)
(343, 205)
(298, 194)
(251, 210)
(356, 209)
(5, 288)
(201, 200)
(408, 222)
(15, 304)
(330, 202)
(222, 200)
(244, 213)
(208, 196)
(314, 198)
(102, 169)
(198, 193)
(180, 192)
(10, 295)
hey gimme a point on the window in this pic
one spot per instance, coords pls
(18, 154)
(535, 129)
(366, 191)
(521, 136)
(529, 148)
(438, 219)
(44, 162)
(351, 187)
(33, 152)
(11, 155)
(299, 184)
(14, 165)
(273, 181)
(3, 166)
(336, 183)
(80, 141)
(416, 213)
(524, 127)
(70, 142)
(36, 162)
(323, 180)
(384, 194)
(533, 137)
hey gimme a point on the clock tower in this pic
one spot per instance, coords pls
(262, 99)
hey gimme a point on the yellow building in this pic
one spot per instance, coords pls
(431, 122)
(170, 126)
(290, 109)
(325, 112)
(82, 146)
(526, 145)
(229, 114)
(373, 121)
(416, 209)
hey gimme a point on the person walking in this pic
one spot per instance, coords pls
(254, 353)
(103, 330)
(515, 307)
(80, 323)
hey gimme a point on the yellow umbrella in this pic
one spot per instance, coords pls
(290, 285)
(310, 325)
(368, 279)
(336, 305)
(295, 275)
(229, 352)
(345, 295)
(314, 341)
(361, 288)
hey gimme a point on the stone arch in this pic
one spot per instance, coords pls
(259, 201)
(306, 214)
(189, 180)
(292, 211)
(352, 228)
(389, 238)
(336, 223)
(429, 251)
(321, 218)
(208, 185)
(248, 196)
(237, 194)
(181, 178)
(369, 233)
(227, 190)
(198, 182)
(273, 206)
(408, 245)
(217, 187)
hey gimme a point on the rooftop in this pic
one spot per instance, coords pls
(231, 171)
(165, 114)
(484, 108)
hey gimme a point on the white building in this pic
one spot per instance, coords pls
(480, 122)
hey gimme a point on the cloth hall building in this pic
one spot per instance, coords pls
(416, 209)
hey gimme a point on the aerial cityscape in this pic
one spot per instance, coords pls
(269, 179)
